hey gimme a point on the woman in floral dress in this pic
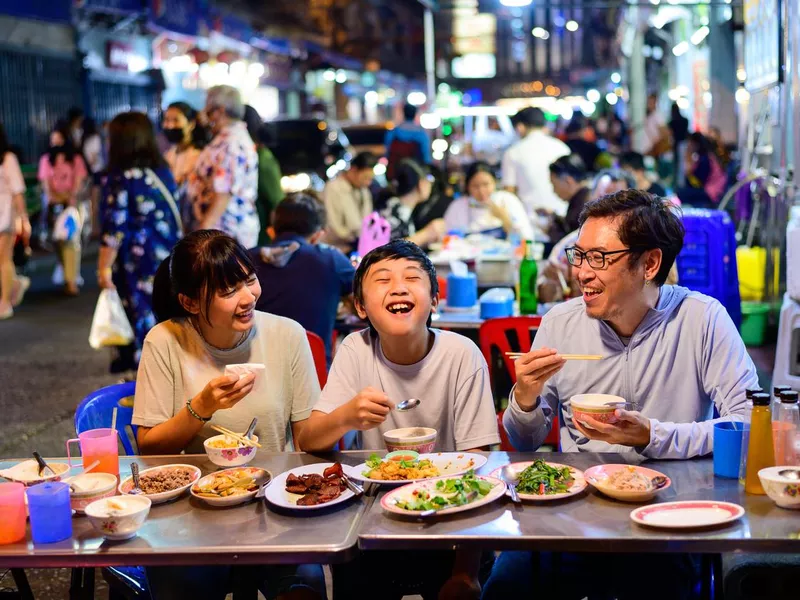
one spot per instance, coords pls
(140, 224)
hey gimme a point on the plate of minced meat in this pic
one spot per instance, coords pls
(165, 483)
(309, 487)
(628, 483)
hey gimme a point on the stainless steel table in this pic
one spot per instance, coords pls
(591, 522)
(187, 531)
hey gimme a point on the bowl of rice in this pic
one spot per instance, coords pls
(599, 407)
(225, 451)
(418, 439)
(627, 482)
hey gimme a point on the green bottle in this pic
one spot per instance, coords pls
(528, 274)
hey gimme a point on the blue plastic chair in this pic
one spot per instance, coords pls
(95, 412)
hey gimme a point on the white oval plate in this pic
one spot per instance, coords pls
(577, 486)
(406, 493)
(161, 497)
(261, 476)
(449, 464)
(687, 514)
(276, 491)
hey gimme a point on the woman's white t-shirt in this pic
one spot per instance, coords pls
(470, 216)
(177, 364)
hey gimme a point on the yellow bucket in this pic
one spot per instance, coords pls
(752, 265)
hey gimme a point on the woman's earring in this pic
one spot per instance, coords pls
(648, 282)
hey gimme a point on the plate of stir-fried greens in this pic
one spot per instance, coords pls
(445, 495)
(542, 480)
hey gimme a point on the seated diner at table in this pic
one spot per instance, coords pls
(412, 185)
(674, 354)
(400, 357)
(485, 209)
(204, 298)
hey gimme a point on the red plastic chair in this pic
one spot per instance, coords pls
(318, 352)
(493, 333)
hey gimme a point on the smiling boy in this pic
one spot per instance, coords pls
(401, 357)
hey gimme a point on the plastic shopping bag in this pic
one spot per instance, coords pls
(67, 225)
(110, 326)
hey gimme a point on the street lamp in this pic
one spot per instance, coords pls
(572, 26)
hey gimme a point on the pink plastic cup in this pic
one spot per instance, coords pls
(12, 507)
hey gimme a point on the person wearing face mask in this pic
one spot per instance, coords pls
(187, 139)
(487, 209)
(204, 296)
(224, 185)
(62, 173)
(673, 354)
(412, 186)
(139, 223)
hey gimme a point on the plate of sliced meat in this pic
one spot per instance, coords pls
(309, 487)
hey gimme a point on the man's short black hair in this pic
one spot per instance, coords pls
(409, 112)
(571, 165)
(531, 117)
(364, 160)
(632, 160)
(394, 250)
(644, 222)
(299, 213)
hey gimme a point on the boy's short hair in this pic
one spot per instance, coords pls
(394, 250)
(299, 213)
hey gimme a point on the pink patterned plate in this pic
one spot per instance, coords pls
(688, 514)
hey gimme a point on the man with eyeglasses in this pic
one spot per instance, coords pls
(672, 353)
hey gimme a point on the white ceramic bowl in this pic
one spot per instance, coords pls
(126, 485)
(27, 472)
(115, 524)
(783, 491)
(418, 439)
(229, 457)
(90, 487)
(599, 407)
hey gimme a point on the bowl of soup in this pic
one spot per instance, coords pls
(118, 517)
(782, 490)
(417, 439)
(225, 451)
(88, 487)
(599, 407)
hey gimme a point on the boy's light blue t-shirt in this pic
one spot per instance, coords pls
(452, 381)
(684, 359)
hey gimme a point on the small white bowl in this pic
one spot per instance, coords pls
(419, 439)
(90, 487)
(115, 524)
(599, 407)
(230, 457)
(783, 491)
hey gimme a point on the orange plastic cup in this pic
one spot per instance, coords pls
(12, 507)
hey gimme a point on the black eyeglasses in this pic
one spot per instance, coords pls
(595, 258)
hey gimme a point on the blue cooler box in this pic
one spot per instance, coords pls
(462, 292)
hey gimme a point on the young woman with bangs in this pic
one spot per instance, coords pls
(204, 298)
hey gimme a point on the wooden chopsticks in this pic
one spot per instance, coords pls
(236, 436)
(516, 355)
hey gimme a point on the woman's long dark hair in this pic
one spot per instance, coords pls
(68, 149)
(479, 166)
(132, 143)
(200, 265)
(200, 135)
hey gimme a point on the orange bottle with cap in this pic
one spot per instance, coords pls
(761, 452)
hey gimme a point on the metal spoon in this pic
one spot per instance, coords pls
(511, 477)
(43, 466)
(136, 489)
(251, 429)
(658, 482)
(790, 474)
(405, 405)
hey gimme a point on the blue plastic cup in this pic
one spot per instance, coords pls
(728, 448)
(50, 512)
